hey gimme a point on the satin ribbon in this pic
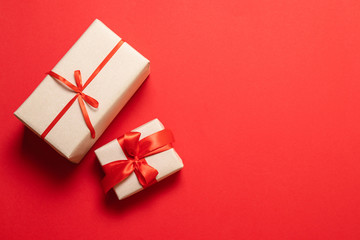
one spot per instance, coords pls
(78, 89)
(136, 151)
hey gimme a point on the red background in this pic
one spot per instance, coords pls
(263, 98)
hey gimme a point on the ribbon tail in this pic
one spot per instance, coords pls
(146, 174)
(86, 116)
(116, 172)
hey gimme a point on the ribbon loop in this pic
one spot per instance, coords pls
(91, 101)
(131, 144)
(136, 150)
(78, 80)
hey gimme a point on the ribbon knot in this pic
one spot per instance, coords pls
(135, 151)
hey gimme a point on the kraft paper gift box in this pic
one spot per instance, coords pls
(166, 162)
(112, 87)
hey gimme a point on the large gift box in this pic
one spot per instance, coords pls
(83, 93)
(138, 159)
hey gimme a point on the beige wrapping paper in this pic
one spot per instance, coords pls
(166, 163)
(112, 88)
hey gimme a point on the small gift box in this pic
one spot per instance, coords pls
(79, 98)
(138, 159)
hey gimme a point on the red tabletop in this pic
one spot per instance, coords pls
(263, 99)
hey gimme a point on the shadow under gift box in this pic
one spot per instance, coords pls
(166, 163)
(114, 85)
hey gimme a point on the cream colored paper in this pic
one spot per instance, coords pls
(166, 163)
(112, 88)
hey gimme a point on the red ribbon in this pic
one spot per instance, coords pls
(82, 97)
(136, 151)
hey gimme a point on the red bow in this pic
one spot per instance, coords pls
(136, 151)
(79, 93)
